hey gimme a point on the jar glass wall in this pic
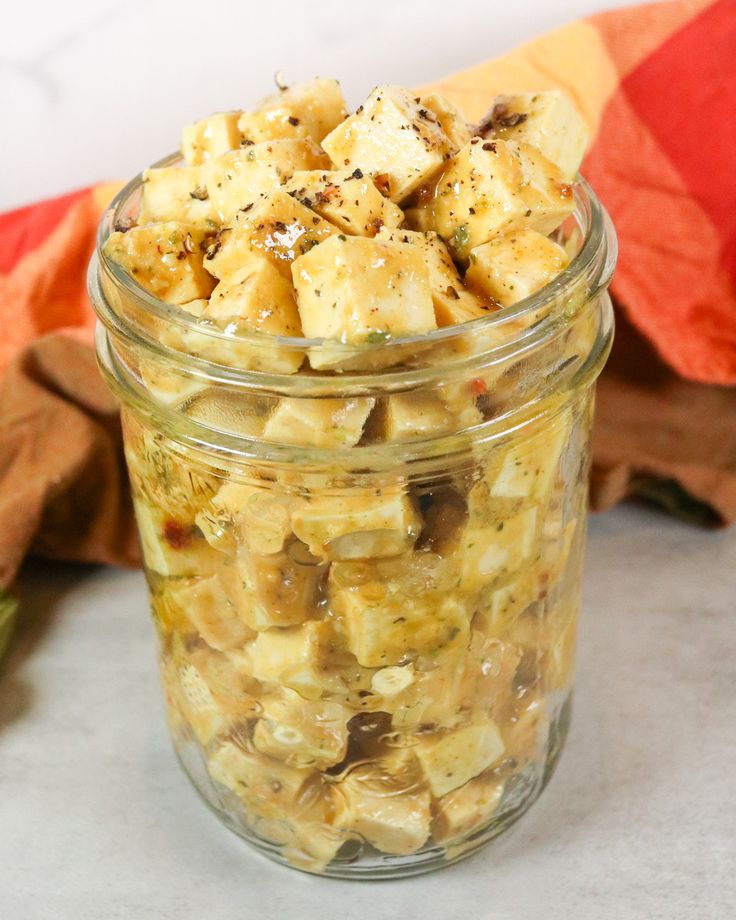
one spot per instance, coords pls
(365, 579)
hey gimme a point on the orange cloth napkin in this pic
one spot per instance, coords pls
(656, 84)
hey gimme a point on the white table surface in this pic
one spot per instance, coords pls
(96, 821)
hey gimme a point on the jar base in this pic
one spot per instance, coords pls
(357, 859)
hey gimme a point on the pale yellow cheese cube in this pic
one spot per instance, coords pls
(464, 810)
(515, 265)
(493, 186)
(358, 290)
(296, 658)
(453, 303)
(528, 466)
(210, 137)
(349, 200)
(305, 733)
(391, 813)
(170, 546)
(204, 601)
(168, 385)
(318, 422)
(452, 758)
(277, 228)
(176, 193)
(265, 784)
(391, 136)
(282, 589)
(165, 258)
(309, 109)
(257, 299)
(489, 552)
(416, 416)
(356, 526)
(240, 177)
(546, 120)
(186, 687)
(241, 514)
(450, 118)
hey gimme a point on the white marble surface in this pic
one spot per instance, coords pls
(98, 823)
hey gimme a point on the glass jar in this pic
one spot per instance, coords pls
(365, 578)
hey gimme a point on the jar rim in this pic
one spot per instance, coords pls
(592, 266)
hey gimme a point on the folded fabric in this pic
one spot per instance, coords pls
(655, 84)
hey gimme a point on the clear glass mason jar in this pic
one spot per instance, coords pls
(365, 578)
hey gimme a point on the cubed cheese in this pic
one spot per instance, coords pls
(318, 422)
(265, 784)
(466, 809)
(416, 416)
(204, 601)
(164, 258)
(452, 758)
(349, 200)
(176, 193)
(309, 109)
(515, 265)
(357, 290)
(392, 135)
(450, 119)
(296, 658)
(307, 733)
(170, 546)
(282, 589)
(488, 551)
(490, 187)
(246, 515)
(528, 466)
(277, 228)
(356, 526)
(210, 138)
(548, 121)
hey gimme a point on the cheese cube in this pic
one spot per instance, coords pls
(309, 109)
(356, 526)
(277, 228)
(303, 733)
(420, 217)
(358, 290)
(548, 121)
(464, 810)
(526, 733)
(381, 628)
(488, 552)
(246, 515)
(282, 589)
(243, 414)
(491, 187)
(164, 258)
(349, 200)
(210, 138)
(257, 298)
(528, 467)
(391, 812)
(296, 658)
(266, 785)
(167, 384)
(170, 546)
(187, 689)
(453, 303)
(319, 422)
(450, 119)
(515, 265)
(204, 601)
(177, 193)
(416, 416)
(391, 136)
(452, 758)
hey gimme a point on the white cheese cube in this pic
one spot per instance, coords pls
(452, 758)
(528, 467)
(204, 601)
(246, 515)
(318, 422)
(303, 733)
(392, 136)
(210, 138)
(450, 119)
(177, 193)
(309, 109)
(464, 810)
(170, 546)
(417, 416)
(281, 589)
(489, 552)
(296, 658)
(266, 785)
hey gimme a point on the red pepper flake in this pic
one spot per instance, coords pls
(478, 386)
(566, 190)
(332, 191)
(177, 535)
(383, 183)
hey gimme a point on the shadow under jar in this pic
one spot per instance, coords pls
(365, 580)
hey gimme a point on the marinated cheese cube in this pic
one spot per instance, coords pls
(466, 809)
(381, 628)
(296, 658)
(186, 688)
(282, 588)
(357, 290)
(349, 200)
(391, 136)
(526, 734)
(168, 384)
(277, 228)
(420, 218)
(309, 109)
(165, 259)
(240, 177)
(453, 303)
(488, 552)
(240, 514)
(450, 118)
(204, 601)
(318, 422)
(266, 785)
(176, 193)
(257, 299)
(528, 467)
(413, 416)
(452, 758)
(356, 526)
(515, 265)
(491, 187)
(210, 137)
(233, 413)
(508, 602)
(548, 121)
(301, 732)
(391, 812)
(170, 546)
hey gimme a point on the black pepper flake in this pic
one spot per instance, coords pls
(357, 174)
(246, 142)
(489, 146)
(293, 120)
(246, 208)
(471, 210)
(212, 250)
(200, 193)
(452, 292)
